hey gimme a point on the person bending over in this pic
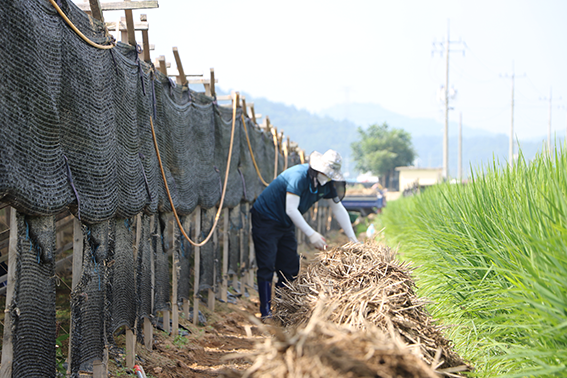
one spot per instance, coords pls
(279, 209)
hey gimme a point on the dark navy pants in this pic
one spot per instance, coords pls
(276, 249)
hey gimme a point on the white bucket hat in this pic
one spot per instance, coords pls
(328, 163)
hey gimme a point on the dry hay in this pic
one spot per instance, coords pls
(365, 284)
(323, 349)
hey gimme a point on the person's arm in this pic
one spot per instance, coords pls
(292, 211)
(341, 215)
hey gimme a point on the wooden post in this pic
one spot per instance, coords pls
(145, 41)
(76, 273)
(252, 112)
(244, 107)
(123, 32)
(224, 288)
(212, 85)
(181, 79)
(7, 342)
(100, 368)
(148, 334)
(148, 329)
(130, 348)
(187, 227)
(174, 273)
(77, 253)
(96, 10)
(130, 27)
(197, 267)
(211, 297)
(162, 67)
(241, 278)
(251, 252)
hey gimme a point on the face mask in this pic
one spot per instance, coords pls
(322, 179)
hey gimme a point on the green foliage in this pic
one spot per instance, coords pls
(493, 258)
(179, 341)
(59, 357)
(380, 149)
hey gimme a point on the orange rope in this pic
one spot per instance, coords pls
(252, 153)
(84, 37)
(217, 216)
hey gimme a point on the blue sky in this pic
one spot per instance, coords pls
(314, 54)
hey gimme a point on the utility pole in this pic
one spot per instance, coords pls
(512, 77)
(446, 50)
(550, 99)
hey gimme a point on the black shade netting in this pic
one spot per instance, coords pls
(252, 186)
(223, 131)
(162, 277)
(33, 305)
(88, 299)
(184, 251)
(121, 293)
(263, 149)
(234, 229)
(208, 259)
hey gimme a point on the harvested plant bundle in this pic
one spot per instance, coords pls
(365, 284)
(323, 349)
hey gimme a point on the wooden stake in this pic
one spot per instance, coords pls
(77, 253)
(197, 267)
(224, 288)
(181, 79)
(165, 316)
(211, 298)
(7, 342)
(212, 88)
(187, 227)
(100, 368)
(130, 26)
(250, 248)
(130, 348)
(145, 41)
(96, 10)
(175, 273)
(252, 112)
(244, 107)
(162, 67)
(76, 273)
(148, 333)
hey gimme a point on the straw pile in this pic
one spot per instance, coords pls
(364, 284)
(323, 349)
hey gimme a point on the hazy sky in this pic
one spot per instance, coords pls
(314, 54)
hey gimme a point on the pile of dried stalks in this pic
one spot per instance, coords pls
(364, 284)
(323, 349)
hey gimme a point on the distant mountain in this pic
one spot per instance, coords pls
(365, 115)
(330, 129)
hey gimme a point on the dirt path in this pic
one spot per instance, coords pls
(200, 353)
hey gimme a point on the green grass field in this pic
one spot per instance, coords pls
(492, 255)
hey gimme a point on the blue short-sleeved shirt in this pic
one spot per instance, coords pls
(271, 202)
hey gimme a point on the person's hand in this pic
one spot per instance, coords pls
(318, 241)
